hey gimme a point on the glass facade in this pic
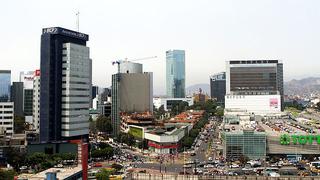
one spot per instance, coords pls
(218, 87)
(175, 73)
(115, 105)
(245, 143)
(28, 102)
(5, 85)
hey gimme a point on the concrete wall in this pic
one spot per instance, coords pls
(258, 104)
(136, 92)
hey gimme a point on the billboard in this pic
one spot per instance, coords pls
(273, 103)
(136, 131)
(27, 79)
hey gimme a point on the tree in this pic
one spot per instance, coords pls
(7, 175)
(19, 125)
(187, 141)
(15, 157)
(104, 174)
(243, 159)
(220, 112)
(103, 124)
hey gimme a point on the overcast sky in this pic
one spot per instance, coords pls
(210, 32)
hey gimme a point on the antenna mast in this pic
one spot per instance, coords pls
(78, 14)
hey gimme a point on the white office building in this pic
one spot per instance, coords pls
(6, 118)
(36, 101)
(76, 89)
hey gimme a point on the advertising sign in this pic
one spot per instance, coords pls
(136, 132)
(286, 139)
(273, 102)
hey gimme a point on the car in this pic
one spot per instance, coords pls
(97, 165)
(193, 153)
(187, 166)
(234, 166)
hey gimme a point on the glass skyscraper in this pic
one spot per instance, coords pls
(175, 73)
(5, 85)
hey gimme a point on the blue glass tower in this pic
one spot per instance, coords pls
(5, 84)
(175, 73)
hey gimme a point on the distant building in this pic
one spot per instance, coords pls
(5, 84)
(95, 91)
(7, 116)
(218, 87)
(36, 101)
(175, 73)
(130, 93)
(167, 103)
(17, 98)
(254, 81)
(66, 78)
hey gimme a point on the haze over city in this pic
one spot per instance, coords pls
(210, 32)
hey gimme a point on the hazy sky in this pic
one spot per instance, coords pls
(210, 32)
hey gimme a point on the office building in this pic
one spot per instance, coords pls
(218, 87)
(94, 92)
(17, 98)
(175, 73)
(5, 84)
(6, 118)
(27, 79)
(36, 101)
(131, 93)
(254, 83)
(66, 75)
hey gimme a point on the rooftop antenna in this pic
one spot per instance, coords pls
(78, 14)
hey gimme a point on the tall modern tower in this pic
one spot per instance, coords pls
(218, 87)
(5, 85)
(66, 75)
(175, 73)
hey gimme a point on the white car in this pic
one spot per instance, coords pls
(234, 166)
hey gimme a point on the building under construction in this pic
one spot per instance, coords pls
(132, 93)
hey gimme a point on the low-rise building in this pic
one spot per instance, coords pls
(165, 140)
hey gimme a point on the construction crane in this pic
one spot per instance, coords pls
(118, 62)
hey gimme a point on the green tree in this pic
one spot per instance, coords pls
(15, 157)
(104, 174)
(19, 124)
(103, 124)
(220, 112)
(7, 175)
(187, 141)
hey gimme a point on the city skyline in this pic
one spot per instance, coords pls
(210, 32)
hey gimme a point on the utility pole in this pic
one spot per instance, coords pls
(78, 15)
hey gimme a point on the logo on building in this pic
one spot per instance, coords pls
(286, 139)
(274, 103)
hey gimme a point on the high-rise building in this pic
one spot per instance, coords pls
(94, 92)
(27, 79)
(17, 98)
(218, 87)
(5, 84)
(254, 83)
(66, 78)
(175, 73)
(130, 93)
(36, 101)
(6, 116)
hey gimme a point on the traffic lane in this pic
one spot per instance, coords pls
(176, 168)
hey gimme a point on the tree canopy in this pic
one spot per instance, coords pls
(103, 124)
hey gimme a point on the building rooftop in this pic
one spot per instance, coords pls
(62, 173)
